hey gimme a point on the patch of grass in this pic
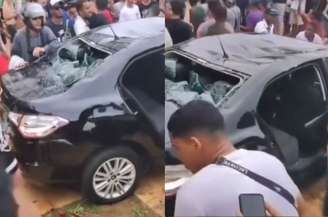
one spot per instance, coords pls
(50, 215)
(140, 212)
(81, 208)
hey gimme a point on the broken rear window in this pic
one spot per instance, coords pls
(187, 80)
(75, 61)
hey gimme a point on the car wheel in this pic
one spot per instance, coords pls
(111, 175)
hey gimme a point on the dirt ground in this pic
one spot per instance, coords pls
(314, 197)
(148, 200)
(130, 207)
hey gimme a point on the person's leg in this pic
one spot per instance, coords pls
(281, 8)
(293, 21)
(26, 207)
(325, 204)
(299, 16)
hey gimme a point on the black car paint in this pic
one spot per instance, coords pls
(256, 81)
(240, 109)
(84, 95)
(98, 114)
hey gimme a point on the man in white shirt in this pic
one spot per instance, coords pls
(197, 134)
(266, 26)
(81, 21)
(130, 11)
(309, 35)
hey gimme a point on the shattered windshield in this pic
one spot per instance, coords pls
(56, 74)
(186, 80)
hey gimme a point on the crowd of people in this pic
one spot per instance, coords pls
(303, 19)
(32, 29)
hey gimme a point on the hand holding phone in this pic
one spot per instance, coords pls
(252, 205)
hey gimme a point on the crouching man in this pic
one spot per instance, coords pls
(222, 172)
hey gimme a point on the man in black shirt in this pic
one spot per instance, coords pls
(243, 4)
(178, 29)
(97, 20)
(56, 20)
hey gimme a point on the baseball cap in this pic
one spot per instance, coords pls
(272, 12)
(55, 2)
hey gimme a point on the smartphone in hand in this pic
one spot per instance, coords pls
(252, 205)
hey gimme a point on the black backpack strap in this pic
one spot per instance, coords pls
(260, 179)
(43, 40)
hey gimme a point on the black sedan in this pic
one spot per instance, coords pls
(79, 116)
(271, 90)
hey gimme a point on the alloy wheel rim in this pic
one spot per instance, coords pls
(114, 178)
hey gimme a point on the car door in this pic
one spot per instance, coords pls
(293, 108)
(310, 114)
(142, 87)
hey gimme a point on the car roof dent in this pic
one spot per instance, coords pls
(252, 54)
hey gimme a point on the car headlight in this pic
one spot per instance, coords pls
(36, 126)
(175, 177)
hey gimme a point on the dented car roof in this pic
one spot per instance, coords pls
(251, 53)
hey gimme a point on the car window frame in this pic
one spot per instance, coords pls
(319, 71)
(322, 84)
(127, 66)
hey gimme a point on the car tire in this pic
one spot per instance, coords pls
(97, 188)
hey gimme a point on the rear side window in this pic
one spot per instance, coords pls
(300, 93)
(146, 74)
(187, 80)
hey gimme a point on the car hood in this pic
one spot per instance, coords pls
(25, 87)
